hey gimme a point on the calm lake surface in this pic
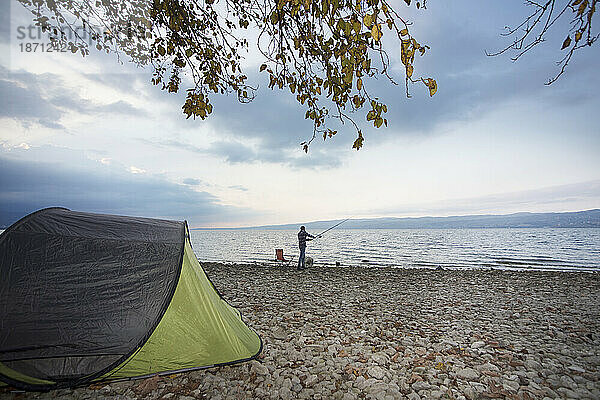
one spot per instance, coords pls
(516, 249)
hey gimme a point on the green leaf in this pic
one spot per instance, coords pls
(274, 18)
(358, 143)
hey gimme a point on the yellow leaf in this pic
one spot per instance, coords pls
(578, 36)
(367, 20)
(376, 32)
(566, 43)
(432, 84)
(359, 84)
(409, 70)
(404, 32)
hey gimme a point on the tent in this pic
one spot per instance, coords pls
(89, 297)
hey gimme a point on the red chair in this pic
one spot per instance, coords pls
(280, 258)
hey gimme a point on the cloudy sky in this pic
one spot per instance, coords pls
(93, 135)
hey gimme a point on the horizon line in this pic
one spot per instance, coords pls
(394, 217)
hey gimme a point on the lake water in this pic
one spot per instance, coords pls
(516, 249)
(542, 249)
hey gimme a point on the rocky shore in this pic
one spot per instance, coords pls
(366, 333)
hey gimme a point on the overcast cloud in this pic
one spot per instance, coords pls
(46, 98)
(28, 185)
(79, 133)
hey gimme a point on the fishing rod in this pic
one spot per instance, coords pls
(338, 224)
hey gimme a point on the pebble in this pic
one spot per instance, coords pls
(477, 345)
(376, 372)
(468, 374)
(420, 385)
(575, 368)
(488, 367)
(511, 386)
(420, 370)
(369, 333)
(258, 368)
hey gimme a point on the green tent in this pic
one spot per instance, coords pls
(89, 297)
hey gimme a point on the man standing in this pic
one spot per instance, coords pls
(303, 236)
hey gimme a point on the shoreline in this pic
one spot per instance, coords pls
(390, 333)
(292, 266)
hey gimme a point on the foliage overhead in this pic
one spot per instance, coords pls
(326, 53)
(544, 15)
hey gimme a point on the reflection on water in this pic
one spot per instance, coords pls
(547, 248)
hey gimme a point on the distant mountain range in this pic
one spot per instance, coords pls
(579, 219)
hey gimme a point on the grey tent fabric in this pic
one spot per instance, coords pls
(76, 320)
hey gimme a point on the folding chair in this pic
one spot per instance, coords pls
(281, 258)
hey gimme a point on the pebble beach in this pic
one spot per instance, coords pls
(386, 333)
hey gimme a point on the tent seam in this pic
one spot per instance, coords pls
(123, 361)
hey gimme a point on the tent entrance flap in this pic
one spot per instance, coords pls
(206, 330)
